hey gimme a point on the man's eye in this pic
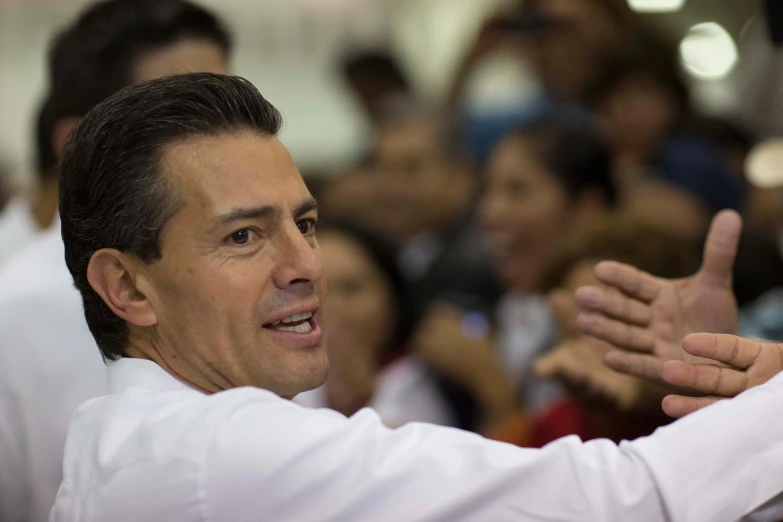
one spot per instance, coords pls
(306, 227)
(240, 237)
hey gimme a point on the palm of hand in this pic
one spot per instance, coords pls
(646, 318)
(687, 306)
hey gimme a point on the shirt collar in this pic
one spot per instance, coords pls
(139, 373)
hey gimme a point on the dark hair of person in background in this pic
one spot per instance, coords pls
(95, 57)
(377, 68)
(626, 241)
(574, 151)
(383, 256)
(112, 193)
(378, 81)
(616, 9)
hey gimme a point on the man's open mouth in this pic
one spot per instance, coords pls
(297, 323)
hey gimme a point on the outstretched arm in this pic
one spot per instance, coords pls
(718, 464)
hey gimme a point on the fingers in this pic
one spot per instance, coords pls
(618, 334)
(720, 250)
(631, 281)
(678, 406)
(728, 349)
(614, 304)
(637, 364)
(705, 378)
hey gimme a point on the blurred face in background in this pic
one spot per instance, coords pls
(637, 115)
(184, 56)
(360, 301)
(360, 310)
(583, 30)
(525, 211)
(421, 189)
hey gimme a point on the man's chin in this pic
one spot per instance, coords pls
(304, 379)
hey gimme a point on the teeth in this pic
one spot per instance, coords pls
(295, 318)
(300, 328)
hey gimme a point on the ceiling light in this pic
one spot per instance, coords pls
(764, 166)
(708, 51)
(656, 6)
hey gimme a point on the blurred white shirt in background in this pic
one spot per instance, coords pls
(18, 228)
(49, 364)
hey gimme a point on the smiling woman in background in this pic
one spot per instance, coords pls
(367, 335)
(545, 184)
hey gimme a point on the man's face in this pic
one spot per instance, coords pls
(239, 257)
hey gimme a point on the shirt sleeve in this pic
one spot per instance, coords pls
(294, 464)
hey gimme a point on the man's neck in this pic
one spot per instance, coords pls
(137, 352)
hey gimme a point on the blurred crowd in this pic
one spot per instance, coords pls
(453, 248)
(495, 217)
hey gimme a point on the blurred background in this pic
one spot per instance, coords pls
(292, 51)
(474, 159)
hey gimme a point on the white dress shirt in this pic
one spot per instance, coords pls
(157, 450)
(49, 364)
(18, 228)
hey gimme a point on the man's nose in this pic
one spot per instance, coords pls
(299, 259)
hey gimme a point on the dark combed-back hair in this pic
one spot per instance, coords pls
(575, 152)
(96, 55)
(112, 193)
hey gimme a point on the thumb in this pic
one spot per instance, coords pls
(720, 250)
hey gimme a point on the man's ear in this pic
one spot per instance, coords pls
(62, 129)
(113, 276)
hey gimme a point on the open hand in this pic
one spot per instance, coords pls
(646, 318)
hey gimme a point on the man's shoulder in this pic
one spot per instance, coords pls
(178, 423)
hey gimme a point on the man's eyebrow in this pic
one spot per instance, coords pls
(305, 207)
(238, 214)
(271, 212)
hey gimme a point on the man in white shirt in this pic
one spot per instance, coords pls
(191, 237)
(48, 360)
